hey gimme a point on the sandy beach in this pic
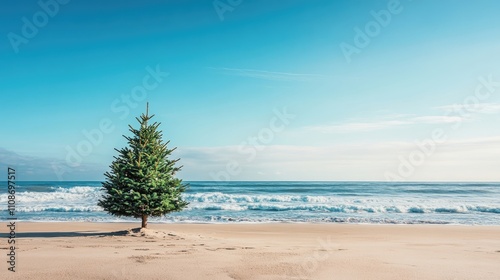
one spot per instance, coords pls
(254, 251)
(250, 140)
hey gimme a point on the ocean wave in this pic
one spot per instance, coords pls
(216, 219)
(219, 197)
(344, 208)
(84, 199)
(347, 220)
(77, 189)
(59, 209)
(283, 208)
(447, 191)
(59, 194)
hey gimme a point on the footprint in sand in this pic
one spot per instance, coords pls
(229, 248)
(142, 259)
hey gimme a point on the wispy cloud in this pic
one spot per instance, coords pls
(357, 126)
(468, 159)
(269, 75)
(459, 113)
(43, 168)
(436, 119)
(485, 108)
(398, 121)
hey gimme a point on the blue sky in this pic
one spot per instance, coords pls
(433, 65)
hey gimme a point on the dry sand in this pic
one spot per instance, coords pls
(253, 251)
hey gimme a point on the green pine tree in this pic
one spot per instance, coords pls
(142, 180)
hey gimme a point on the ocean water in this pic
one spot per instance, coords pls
(255, 202)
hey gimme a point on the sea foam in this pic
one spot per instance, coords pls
(282, 201)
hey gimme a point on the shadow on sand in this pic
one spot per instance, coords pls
(67, 234)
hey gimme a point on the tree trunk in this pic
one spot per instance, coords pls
(144, 221)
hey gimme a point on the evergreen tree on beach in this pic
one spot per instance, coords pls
(142, 182)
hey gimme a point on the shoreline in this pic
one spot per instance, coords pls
(258, 223)
(299, 202)
(90, 250)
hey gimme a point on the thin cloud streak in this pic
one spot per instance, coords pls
(384, 124)
(436, 119)
(463, 113)
(357, 126)
(269, 75)
(485, 108)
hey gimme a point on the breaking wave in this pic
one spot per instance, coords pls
(235, 202)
